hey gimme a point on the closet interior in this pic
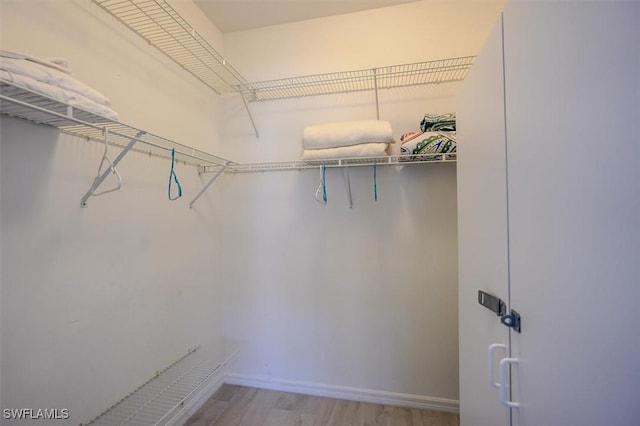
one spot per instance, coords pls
(189, 371)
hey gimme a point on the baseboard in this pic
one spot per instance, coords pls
(349, 393)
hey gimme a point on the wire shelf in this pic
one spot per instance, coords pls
(20, 102)
(387, 160)
(431, 72)
(160, 399)
(162, 27)
(25, 103)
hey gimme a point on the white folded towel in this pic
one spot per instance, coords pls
(52, 76)
(59, 94)
(353, 151)
(346, 133)
(59, 64)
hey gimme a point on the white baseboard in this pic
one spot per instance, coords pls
(348, 393)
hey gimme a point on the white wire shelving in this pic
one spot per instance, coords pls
(389, 77)
(20, 102)
(372, 80)
(387, 160)
(166, 396)
(162, 26)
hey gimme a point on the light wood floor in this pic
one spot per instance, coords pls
(244, 406)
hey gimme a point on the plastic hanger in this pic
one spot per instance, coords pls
(111, 168)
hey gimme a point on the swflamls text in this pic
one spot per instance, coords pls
(35, 413)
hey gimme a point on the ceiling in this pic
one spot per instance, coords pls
(239, 15)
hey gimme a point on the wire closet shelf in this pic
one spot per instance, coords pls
(162, 27)
(20, 102)
(161, 399)
(387, 160)
(389, 77)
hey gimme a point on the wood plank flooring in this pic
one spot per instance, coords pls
(244, 406)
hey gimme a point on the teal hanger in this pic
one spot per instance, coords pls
(174, 178)
(321, 192)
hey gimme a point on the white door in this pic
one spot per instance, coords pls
(482, 233)
(572, 73)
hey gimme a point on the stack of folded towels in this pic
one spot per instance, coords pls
(347, 139)
(52, 78)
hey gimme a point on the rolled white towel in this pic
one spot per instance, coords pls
(346, 133)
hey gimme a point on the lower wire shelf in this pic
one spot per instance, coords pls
(386, 160)
(165, 397)
(23, 103)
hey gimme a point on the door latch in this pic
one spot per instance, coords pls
(493, 303)
(499, 307)
(512, 320)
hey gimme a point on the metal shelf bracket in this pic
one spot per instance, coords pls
(208, 184)
(246, 107)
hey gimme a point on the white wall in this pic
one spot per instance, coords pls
(412, 32)
(326, 296)
(96, 300)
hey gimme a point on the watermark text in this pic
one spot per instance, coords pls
(35, 413)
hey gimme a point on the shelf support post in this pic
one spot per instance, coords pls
(204, 188)
(375, 88)
(107, 172)
(246, 106)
